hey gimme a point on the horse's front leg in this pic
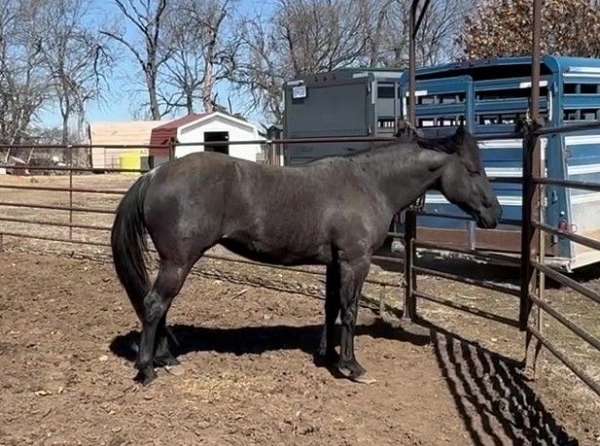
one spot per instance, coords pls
(352, 277)
(332, 309)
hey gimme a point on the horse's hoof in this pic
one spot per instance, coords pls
(326, 359)
(351, 370)
(363, 379)
(166, 361)
(175, 370)
(146, 376)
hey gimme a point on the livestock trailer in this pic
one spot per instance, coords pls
(489, 96)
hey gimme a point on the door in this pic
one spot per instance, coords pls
(216, 137)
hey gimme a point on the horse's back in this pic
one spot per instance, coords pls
(282, 214)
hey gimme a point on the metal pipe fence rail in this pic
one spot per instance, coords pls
(70, 169)
(72, 209)
(531, 221)
(535, 294)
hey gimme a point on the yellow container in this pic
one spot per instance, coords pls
(130, 160)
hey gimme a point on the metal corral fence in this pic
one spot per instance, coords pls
(530, 293)
(71, 171)
(532, 260)
(534, 269)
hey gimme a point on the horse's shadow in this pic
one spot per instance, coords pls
(493, 399)
(256, 340)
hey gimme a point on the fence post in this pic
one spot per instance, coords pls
(69, 148)
(530, 143)
(532, 205)
(531, 363)
(410, 216)
(410, 231)
(531, 154)
(172, 144)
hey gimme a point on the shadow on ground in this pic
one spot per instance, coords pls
(495, 402)
(256, 340)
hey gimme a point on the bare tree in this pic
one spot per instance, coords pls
(302, 36)
(308, 36)
(76, 58)
(435, 38)
(146, 16)
(204, 51)
(23, 80)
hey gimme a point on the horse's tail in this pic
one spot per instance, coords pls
(129, 244)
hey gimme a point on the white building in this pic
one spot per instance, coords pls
(206, 128)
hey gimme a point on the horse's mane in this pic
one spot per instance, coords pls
(406, 134)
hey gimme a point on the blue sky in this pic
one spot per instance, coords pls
(125, 89)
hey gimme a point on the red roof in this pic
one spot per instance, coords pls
(162, 134)
(176, 123)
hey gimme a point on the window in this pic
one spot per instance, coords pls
(581, 115)
(426, 100)
(457, 98)
(571, 115)
(441, 121)
(446, 98)
(426, 122)
(386, 124)
(489, 119)
(513, 93)
(385, 91)
(502, 118)
(582, 89)
(570, 89)
(589, 89)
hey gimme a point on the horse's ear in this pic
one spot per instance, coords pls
(459, 136)
(404, 128)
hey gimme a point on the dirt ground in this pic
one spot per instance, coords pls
(248, 376)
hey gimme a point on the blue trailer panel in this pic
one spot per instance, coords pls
(489, 97)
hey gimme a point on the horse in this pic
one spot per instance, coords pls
(334, 212)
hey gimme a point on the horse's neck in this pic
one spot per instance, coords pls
(404, 174)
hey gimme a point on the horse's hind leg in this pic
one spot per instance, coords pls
(168, 282)
(332, 309)
(163, 355)
(352, 276)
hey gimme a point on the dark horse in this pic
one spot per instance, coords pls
(335, 211)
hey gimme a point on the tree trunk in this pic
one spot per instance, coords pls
(154, 108)
(189, 102)
(209, 80)
(65, 128)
